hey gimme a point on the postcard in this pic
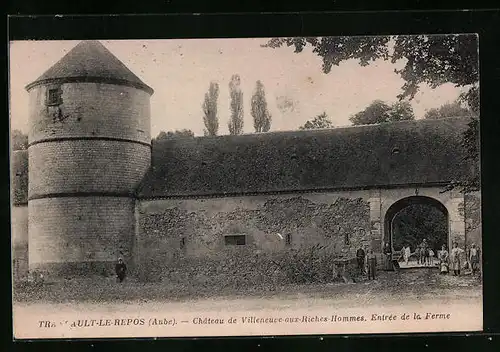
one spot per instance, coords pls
(245, 186)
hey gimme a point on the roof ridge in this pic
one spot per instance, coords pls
(337, 129)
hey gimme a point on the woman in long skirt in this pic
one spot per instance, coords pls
(474, 259)
(456, 259)
(443, 260)
(388, 266)
(407, 253)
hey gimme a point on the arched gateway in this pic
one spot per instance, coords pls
(396, 240)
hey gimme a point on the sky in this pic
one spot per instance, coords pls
(180, 71)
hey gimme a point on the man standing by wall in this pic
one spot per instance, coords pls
(360, 257)
(121, 270)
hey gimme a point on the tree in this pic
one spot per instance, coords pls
(320, 121)
(376, 112)
(433, 60)
(381, 112)
(235, 124)
(416, 222)
(261, 116)
(18, 140)
(401, 111)
(185, 133)
(210, 118)
(454, 109)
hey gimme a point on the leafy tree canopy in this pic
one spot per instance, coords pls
(320, 121)
(261, 117)
(235, 124)
(454, 109)
(210, 118)
(416, 222)
(380, 112)
(19, 140)
(173, 134)
(433, 60)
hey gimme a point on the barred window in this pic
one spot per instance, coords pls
(54, 97)
(347, 241)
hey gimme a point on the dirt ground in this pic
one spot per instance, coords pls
(398, 286)
(406, 291)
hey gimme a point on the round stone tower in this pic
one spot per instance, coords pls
(89, 148)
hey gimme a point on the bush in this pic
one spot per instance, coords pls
(227, 271)
(243, 270)
(308, 265)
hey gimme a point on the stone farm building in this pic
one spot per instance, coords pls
(91, 187)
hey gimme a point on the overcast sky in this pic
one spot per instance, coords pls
(180, 72)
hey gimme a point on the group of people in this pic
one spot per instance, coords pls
(456, 259)
(425, 254)
(367, 262)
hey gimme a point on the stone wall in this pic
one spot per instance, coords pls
(471, 210)
(86, 166)
(173, 233)
(19, 240)
(80, 235)
(89, 110)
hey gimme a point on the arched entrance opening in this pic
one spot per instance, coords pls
(412, 219)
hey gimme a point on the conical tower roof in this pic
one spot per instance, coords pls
(90, 61)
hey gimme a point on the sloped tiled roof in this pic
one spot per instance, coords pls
(400, 153)
(90, 61)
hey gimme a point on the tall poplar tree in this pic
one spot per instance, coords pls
(261, 116)
(210, 118)
(235, 123)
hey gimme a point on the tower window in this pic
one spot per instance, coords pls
(183, 242)
(288, 239)
(54, 97)
(235, 240)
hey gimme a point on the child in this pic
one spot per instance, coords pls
(431, 257)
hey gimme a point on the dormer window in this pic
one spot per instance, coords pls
(54, 97)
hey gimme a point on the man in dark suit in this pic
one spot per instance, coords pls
(121, 270)
(360, 257)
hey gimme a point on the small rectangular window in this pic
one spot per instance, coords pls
(347, 241)
(54, 97)
(235, 240)
(288, 239)
(183, 242)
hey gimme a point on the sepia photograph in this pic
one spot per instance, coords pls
(245, 186)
